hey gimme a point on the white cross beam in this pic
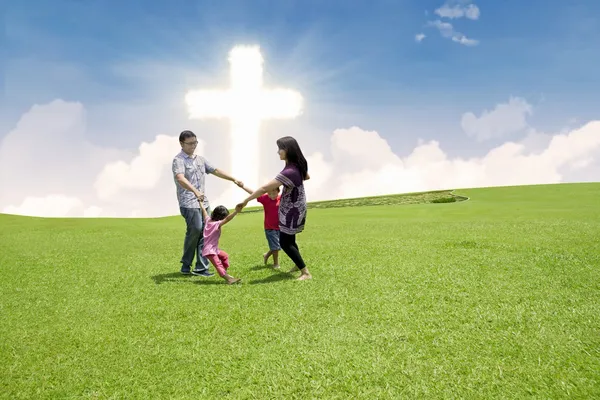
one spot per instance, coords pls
(246, 104)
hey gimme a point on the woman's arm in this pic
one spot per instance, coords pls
(229, 218)
(274, 184)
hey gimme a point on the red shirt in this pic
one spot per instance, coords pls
(271, 211)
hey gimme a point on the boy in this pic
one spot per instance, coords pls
(270, 202)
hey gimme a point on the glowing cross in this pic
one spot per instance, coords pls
(246, 104)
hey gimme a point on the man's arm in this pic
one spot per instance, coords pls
(224, 175)
(249, 191)
(274, 184)
(181, 179)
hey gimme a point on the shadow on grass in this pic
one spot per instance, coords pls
(176, 277)
(215, 280)
(276, 277)
(259, 267)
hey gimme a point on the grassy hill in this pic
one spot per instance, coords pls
(494, 297)
(438, 196)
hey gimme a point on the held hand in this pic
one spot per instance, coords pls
(199, 196)
(240, 206)
(239, 183)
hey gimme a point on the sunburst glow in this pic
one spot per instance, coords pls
(246, 104)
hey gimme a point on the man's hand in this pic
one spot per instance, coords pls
(239, 183)
(199, 195)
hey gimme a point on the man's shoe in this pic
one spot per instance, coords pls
(185, 271)
(204, 273)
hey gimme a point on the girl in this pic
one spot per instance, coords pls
(212, 232)
(292, 206)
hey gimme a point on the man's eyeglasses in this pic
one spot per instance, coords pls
(191, 143)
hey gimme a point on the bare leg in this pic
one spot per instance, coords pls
(230, 279)
(275, 259)
(266, 256)
(221, 263)
(304, 274)
(289, 246)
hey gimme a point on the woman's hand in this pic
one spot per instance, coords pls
(240, 206)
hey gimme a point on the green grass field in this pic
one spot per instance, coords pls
(494, 297)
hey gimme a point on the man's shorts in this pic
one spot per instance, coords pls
(273, 239)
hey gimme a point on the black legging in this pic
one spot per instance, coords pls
(289, 246)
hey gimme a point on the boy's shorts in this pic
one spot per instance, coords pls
(273, 239)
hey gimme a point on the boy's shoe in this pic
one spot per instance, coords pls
(276, 266)
(204, 273)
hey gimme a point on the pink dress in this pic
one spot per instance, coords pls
(218, 258)
(212, 233)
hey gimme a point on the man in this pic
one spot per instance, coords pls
(189, 172)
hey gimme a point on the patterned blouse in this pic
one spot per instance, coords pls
(292, 208)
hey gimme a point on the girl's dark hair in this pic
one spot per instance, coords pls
(186, 135)
(293, 153)
(219, 213)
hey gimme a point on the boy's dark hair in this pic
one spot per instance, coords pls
(186, 135)
(219, 213)
(293, 153)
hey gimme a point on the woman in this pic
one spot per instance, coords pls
(292, 207)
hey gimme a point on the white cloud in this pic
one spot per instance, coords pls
(92, 212)
(472, 12)
(505, 119)
(317, 162)
(534, 141)
(447, 30)
(53, 205)
(581, 164)
(48, 152)
(71, 177)
(344, 149)
(455, 9)
(427, 167)
(462, 39)
(49, 165)
(145, 169)
(419, 37)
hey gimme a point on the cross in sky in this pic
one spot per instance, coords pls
(246, 104)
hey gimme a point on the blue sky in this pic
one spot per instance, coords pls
(536, 49)
(356, 63)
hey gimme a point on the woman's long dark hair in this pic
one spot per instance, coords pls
(293, 154)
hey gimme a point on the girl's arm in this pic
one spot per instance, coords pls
(228, 218)
(204, 213)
